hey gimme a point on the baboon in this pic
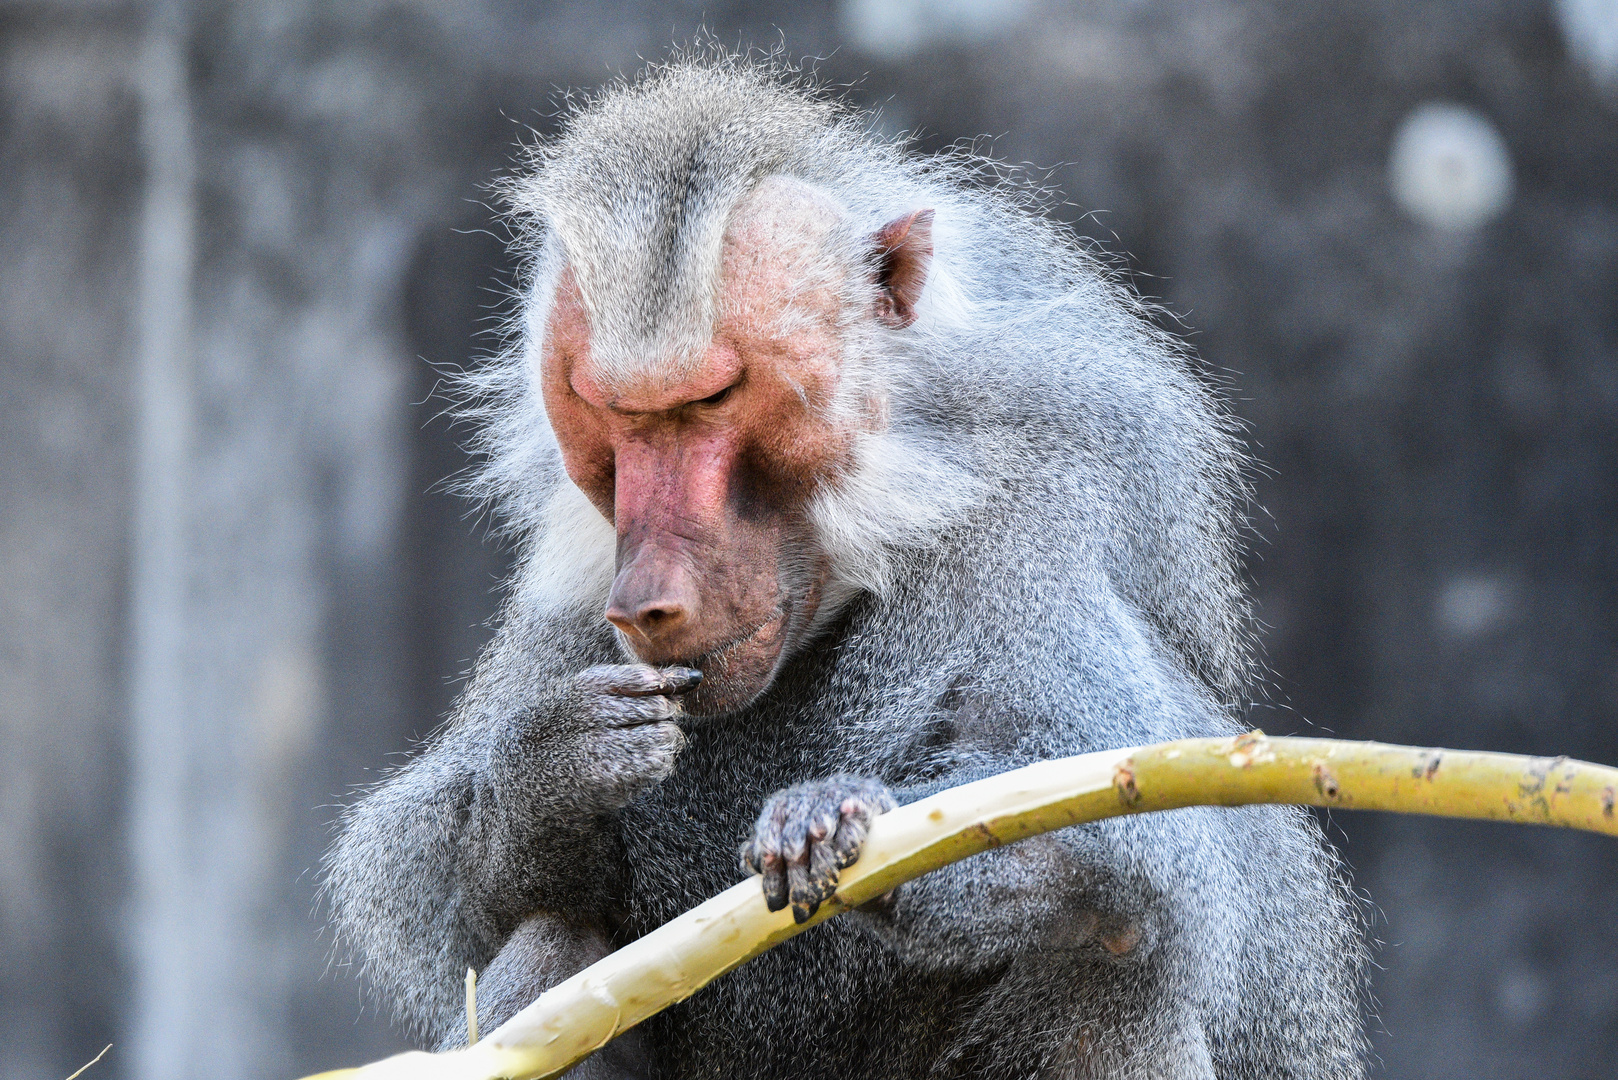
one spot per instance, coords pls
(838, 476)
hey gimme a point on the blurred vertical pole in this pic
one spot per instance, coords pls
(164, 943)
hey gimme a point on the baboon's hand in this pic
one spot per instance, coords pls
(628, 713)
(807, 834)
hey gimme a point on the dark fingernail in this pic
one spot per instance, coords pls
(802, 913)
(682, 680)
(775, 903)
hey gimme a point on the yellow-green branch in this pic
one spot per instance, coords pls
(673, 962)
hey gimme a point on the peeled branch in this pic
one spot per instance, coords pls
(583, 1013)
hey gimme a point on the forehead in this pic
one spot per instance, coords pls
(778, 274)
(783, 229)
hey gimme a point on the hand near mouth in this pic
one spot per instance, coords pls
(627, 715)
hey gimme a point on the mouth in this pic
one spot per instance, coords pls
(774, 622)
(737, 672)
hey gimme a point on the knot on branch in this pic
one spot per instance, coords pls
(1251, 748)
(1123, 782)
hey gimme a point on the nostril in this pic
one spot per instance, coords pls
(651, 598)
(658, 619)
(648, 622)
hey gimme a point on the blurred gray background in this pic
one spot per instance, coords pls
(236, 239)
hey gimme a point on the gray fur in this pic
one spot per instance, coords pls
(1038, 557)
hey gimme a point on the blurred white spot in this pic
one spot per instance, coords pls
(287, 702)
(1521, 995)
(1471, 606)
(1591, 28)
(1450, 168)
(895, 29)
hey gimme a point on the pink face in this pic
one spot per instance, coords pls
(707, 472)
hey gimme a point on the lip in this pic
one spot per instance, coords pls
(776, 621)
(736, 673)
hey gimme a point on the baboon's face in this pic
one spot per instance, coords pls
(707, 469)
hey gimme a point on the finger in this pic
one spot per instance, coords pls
(794, 829)
(775, 882)
(822, 822)
(823, 864)
(848, 840)
(823, 867)
(635, 711)
(866, 806)
(680, 680)
(646, 751)
(804, 898)
(639, 680)
(663, 738)
(752, 858)
(773, 823)
(605, 678)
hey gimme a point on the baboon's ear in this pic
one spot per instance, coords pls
(904, 249)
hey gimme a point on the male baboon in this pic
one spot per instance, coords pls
(839, 476)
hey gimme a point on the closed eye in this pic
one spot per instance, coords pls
(714, 399)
